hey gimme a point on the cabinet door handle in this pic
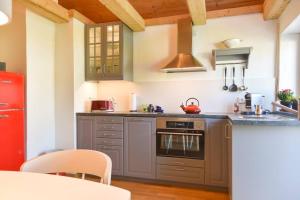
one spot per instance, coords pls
(3, 104)
(226, 132)
(137, 120)
(4, 116)
(6, 81)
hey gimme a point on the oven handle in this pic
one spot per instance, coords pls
(171, 133)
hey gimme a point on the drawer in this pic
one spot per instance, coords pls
(109, 134)
(179, 161)
(109, 127)
(107, 141)
(109, 120)
(192, 175)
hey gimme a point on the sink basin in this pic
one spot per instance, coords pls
(253, 117)
(264, 117)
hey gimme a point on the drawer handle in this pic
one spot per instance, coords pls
(107, 134)
(179, 163)
(3, 104)
(177, 169)
(4, 116)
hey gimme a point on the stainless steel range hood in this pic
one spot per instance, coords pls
(184, 60)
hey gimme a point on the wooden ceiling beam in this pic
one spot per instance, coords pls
(126, 13)
(48, 9)
(235, 11)
(210, 15)
(274, 8)
(77, 15)
(197, 10)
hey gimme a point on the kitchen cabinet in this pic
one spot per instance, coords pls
(216, 153)
(104, 134)
(108, 138)
(139, 147)
(109, 52)
(85, 127)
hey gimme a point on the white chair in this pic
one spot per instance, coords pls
(73, 162)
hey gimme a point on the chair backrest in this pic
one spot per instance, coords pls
(72, 161)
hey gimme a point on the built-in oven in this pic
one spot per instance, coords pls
(180, 137)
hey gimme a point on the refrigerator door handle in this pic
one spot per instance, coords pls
(6, 81)
(4, 116)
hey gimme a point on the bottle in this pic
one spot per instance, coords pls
(236, 106)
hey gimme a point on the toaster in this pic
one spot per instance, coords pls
(102, 105)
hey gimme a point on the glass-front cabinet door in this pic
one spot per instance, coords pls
(94, 53)
(105, 56)
(112, 66)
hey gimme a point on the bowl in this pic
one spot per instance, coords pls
(231, 43)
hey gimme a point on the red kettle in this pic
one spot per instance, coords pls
(191, 108)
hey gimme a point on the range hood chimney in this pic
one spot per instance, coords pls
(184, 60)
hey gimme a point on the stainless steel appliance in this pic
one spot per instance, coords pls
(252, 100)
(180, 137)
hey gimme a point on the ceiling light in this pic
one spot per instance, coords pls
(5, 11)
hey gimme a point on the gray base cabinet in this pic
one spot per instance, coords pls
(140, 147)
(131, 144)
(108, 138)
(103, 134)
(85, 129)
(216, 153)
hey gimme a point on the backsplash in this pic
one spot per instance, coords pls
(170, 94)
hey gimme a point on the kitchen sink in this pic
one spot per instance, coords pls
(265, 117)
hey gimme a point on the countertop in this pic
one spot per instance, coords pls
(273, 119)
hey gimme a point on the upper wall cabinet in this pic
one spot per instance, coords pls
(109, 52)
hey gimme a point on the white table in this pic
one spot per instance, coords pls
(33, 186)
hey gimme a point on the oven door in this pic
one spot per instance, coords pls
(180, 144)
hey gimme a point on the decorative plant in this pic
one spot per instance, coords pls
(286, 97)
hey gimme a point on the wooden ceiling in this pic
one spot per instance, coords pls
(97, 12)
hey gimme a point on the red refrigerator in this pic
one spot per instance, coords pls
(12, 137)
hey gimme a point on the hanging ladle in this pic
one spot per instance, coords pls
(225, 87)
(233, 87)
(243, 87)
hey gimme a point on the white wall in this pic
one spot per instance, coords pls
(289, 15)
(13, 41)
(40, 38)
(289, 59)
(71, 91)
(157, 46)
(64, 84)
(83, 91)
(290, 62)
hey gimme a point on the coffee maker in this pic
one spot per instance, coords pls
(252, 100)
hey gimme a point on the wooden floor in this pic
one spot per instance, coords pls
(148, 191)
